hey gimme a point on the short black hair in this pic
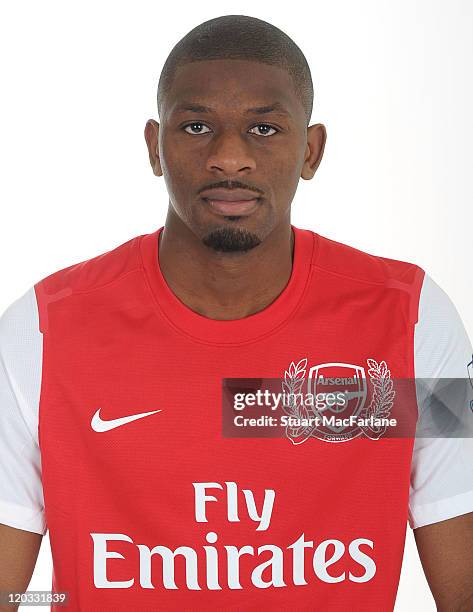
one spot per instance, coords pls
(240, 37)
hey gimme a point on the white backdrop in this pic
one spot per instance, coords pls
(393, 86)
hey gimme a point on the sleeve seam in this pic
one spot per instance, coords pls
(440, 510)
(9, 515)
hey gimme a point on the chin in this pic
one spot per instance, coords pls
(231, 238)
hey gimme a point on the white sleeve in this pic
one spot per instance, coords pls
(441, 484)
(21, 347)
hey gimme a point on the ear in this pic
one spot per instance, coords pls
(152, 141)
(316, 137)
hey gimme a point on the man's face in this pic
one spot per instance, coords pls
(232, 144)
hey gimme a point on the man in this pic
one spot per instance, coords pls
(114, 372)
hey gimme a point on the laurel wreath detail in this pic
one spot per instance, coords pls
(383, 393)
(292, 384)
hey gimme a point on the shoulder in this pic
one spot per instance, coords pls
(20, 315)
(95, 272)
(353, 272)
(84, 277)
(442, 345)
(344, 260)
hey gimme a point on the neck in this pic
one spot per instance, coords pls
(225, 286)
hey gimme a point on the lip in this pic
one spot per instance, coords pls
(230, 202)
(229, 195)
(233, 207)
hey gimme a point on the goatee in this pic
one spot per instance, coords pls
(231, 239)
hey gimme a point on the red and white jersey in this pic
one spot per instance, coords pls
(111, 435)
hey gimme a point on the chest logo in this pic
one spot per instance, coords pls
(98, 424)
(339, 423)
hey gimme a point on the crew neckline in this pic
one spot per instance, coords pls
(233, 331)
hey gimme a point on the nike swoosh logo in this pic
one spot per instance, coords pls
(98, 424)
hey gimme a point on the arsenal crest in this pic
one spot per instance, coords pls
(348, 414)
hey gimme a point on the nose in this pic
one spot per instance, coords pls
(230, 154)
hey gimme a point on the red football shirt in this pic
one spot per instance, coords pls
(150, 506)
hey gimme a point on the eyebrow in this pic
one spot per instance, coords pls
(256, 110)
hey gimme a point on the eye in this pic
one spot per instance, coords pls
(264, 127)
(196, 128)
